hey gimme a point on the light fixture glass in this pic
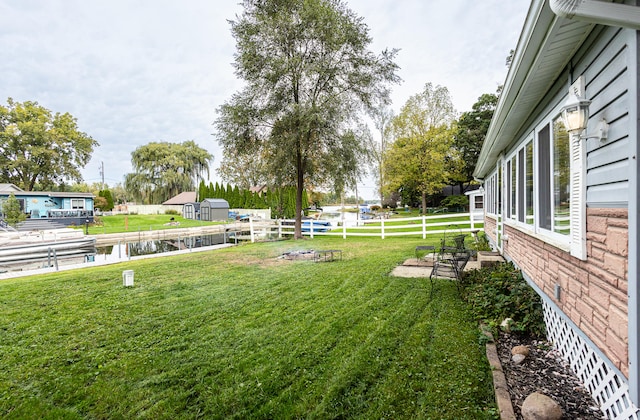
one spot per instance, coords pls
(575, 114)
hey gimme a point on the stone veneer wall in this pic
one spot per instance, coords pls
(490, 228)
(593, 292)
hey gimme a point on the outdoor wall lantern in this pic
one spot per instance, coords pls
(575, 113)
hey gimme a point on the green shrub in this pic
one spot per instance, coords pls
(482, 244)
(13, 215)
(455, 201)
(171, 211)
(499, 292)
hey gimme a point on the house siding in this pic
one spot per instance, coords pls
(490, 225)
(593, 292)
(605, 62)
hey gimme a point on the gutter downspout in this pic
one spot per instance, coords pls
(610, 14)
(625, 16)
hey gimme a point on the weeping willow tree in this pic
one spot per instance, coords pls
(163, 170)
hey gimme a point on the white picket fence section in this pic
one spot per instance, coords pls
(408, 226)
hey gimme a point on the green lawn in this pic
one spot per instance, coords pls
(138, 222)
(236, 333)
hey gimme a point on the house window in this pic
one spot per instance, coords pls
(488, 194)
(499, 190)
(529, 203)
(541, 185)
(561, 172)
(521, 189)
(77, 204)
(544, 175)
(554, 156)
(513, 183)
(478, 202)
(507, 189)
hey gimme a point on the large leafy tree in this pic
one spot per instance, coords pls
(471, 131)
(421, 154)
(308, 74)
(382, 117)
(244, 169)
(40, 148)
(163, 169)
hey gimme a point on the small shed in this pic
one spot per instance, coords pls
(191, 211)
(214, 209)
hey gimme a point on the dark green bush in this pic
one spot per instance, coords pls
(455, 201)
(499, 292)
(171, 211)
(482, 244)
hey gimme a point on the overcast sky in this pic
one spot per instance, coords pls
(137, 71)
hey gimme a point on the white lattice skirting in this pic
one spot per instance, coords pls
(609, 389)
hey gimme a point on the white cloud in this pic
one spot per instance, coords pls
(135, 71)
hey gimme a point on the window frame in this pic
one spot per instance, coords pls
(540, 143)
(74, 203)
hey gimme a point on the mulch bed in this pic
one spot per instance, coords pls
(544, 371)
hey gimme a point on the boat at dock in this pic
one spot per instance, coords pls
(36, 249)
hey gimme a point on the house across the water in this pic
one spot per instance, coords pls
(67, 208)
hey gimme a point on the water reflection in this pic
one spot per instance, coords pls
(132, 249)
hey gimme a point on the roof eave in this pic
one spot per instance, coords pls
(533, 71)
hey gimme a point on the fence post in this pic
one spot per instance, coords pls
(424, 227)
(310, 228)
(471, 217)
(251, 234)
(279, 228)
(344, 228)
(382, 227)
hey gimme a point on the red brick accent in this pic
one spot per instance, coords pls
(594, 292)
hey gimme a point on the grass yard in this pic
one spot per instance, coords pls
(137, 222)
(236, 333)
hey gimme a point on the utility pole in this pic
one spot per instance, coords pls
(102, 173)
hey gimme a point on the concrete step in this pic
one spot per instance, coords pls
(489, 258)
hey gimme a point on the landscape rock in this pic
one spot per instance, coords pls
(544, 371)
(538, 406)
(506, 324)
(524, 350)
(518, 358)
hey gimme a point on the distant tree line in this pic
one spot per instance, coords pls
(281, 200)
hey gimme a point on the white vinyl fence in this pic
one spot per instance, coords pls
(258, 229)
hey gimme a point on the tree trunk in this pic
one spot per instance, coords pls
(299, 188)
(424, 202)
(380, 184)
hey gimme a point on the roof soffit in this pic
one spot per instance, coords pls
(544, 50)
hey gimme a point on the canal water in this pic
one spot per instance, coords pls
(126, 250)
